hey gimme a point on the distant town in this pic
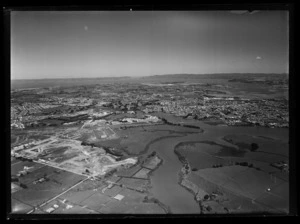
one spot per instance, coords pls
(194, 101)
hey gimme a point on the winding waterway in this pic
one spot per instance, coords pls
(165, 186)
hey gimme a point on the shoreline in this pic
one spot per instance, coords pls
(153, 199)
(182, 176)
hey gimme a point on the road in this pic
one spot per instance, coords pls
(59, 194)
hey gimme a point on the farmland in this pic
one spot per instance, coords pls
(210, 166)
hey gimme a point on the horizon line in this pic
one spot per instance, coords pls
(126, 76)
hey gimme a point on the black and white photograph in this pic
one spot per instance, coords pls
(149, 112)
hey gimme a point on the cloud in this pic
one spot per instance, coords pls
(86, 28)
(258, 58)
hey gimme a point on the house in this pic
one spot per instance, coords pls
(119, 197)
(49, 210)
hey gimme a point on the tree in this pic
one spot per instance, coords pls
(244, 118)
(14, 179)
(208, 208)
(23, 185)
(244, 164)
(254, 147)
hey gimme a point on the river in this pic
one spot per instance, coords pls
(165, 186)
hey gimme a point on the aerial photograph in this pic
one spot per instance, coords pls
(149, 112)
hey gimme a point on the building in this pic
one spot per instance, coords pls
(49, 210)
(119, 197)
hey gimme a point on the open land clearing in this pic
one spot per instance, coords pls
(71, 155)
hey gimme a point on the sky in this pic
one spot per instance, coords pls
(65, 44)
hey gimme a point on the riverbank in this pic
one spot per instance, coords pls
(233, 188)
(182, 180)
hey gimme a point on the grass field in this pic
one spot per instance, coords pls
(248, 183)
(128, 172)
(143, 173)
(132, 183)
(265, 144)
(113, 191)
(34, 174)
(200, 160)
(19, 165)
(96, 201)
(83, 191)
(77, 196)
(74, 210)
(37, 193)
(245, 187)
(19, 207)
